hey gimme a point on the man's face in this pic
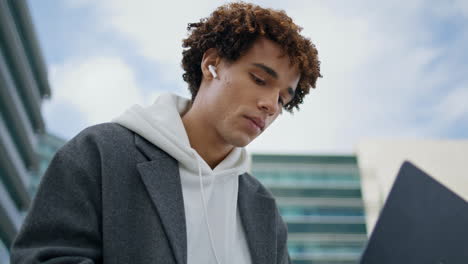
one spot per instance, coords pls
(249, 93)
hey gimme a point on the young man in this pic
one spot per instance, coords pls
(168, 183)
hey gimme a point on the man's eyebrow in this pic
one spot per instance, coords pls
(267, 69)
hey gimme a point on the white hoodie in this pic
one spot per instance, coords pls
(214, 231)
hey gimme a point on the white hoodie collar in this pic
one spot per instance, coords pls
(161, 124)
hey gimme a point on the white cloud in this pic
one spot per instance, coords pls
(99, 88)
(452, 108)
(156, 30)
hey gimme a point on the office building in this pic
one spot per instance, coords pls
(320, 199)
(23, 86)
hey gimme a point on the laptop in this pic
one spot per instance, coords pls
(422, 221)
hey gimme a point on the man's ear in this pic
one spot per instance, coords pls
(210, 57)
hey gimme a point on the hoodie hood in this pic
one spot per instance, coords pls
(161, 124)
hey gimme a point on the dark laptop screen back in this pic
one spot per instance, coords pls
(421, 222)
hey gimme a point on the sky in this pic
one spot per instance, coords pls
(391, 69)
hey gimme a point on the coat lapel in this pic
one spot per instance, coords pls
(160, 175)
(259, 218)
(161, 178)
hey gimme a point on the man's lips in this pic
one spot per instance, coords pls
(260, 123)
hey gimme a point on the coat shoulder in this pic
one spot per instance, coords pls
(90, 146)
(105, 132)
(101, 137)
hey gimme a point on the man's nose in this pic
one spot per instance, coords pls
(269, 103)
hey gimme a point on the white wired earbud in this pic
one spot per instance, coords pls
(212, 69)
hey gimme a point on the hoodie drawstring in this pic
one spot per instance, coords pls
(204, 207)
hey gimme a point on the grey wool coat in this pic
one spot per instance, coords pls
(110, 196)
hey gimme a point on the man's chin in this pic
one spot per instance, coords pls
(242, 142)
(239, 139)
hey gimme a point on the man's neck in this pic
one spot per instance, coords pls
(205, 140)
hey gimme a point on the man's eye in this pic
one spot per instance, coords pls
(257, 80)
(281, 101)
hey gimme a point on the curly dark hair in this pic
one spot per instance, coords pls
(233, 28)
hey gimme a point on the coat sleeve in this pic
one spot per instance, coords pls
(63, 224)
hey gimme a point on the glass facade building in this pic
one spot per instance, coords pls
(320, 199)
(23, 86)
